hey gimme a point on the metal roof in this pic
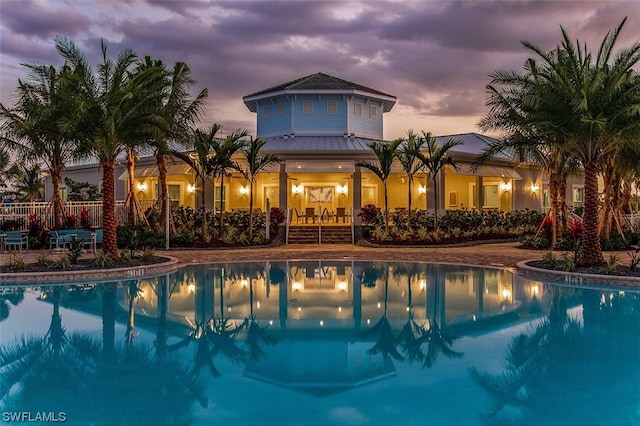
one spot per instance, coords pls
(319, 81)
(316, 144)
(473, 144)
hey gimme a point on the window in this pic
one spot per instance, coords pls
(332, 107)
(357, 109)
(307, 107)
(216, 198)
(174, 194)
(578, 194)
(280, 109)
(266, 112)
(373, 111)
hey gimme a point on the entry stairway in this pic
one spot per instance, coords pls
(309, 235)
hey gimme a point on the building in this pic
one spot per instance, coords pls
(320, 127)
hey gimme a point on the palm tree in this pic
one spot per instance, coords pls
(434, 160)
(385, 152)
(202, 143)
(29, 184)
(7, 170)
(223, 161)
(117, 111)
(586, 106)
(179, 112)
(41, 122)
(409, 157)
(256, 163)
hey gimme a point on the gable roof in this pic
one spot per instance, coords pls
(317, 83)
(473, 144)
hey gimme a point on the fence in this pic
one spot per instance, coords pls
(20, 212)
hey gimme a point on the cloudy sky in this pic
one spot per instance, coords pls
(435, 56)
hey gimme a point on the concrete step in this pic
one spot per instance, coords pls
(309, 235)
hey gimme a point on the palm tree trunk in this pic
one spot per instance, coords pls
(626, 196)
(554, 201)
(221, 223)
(386, 208)
(251, 209)
(591, 252)
(204, 209)
(110, 241)
(56, 202)
(562, 205)
(436, 201)
(409, 208)
(132, 190)
(161, 162)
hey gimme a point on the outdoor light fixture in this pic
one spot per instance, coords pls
(142, 186)
(244, 283)
(342, 286)
(506, 294)
(191, 188)
(191, 288)
(534, 290)
(244, 190)
(422, 189)
(505, 186)
(296, 189)
(534, 187)
(341, 189)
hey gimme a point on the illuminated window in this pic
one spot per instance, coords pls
(578, 194)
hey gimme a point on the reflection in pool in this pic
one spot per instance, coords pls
(322, 343)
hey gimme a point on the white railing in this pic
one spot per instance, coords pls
(353, 232)
(633, 219)
(20, 212)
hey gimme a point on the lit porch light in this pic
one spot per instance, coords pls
(244, 190)
(342, 189)
(534, 187)
(296, 189)
(422, 189)
(534, 290)
(142, 186)
(191, 288)
(191, 188)
(506, 293)
(342, 286)
(297, 286)
(505, 186)
(244, 283)
(423, 284)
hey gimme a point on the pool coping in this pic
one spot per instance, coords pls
(576, 277)
(96, 275)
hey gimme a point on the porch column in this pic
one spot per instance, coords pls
(283, 192)
(357, 195)
(479, 193)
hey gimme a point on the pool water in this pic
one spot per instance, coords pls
(319, 343)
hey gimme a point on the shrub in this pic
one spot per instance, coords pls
(75, 249)
(277, 217)
(102, 259)
(371, 215)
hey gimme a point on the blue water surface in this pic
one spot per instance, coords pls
(321, 343)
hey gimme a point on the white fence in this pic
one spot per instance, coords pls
(20, 212)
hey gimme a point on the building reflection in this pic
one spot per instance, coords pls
(340, 295)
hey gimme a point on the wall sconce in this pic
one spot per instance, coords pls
(422, 189)
(191, 288)
(534, 290)
(142, 186)
(505, 186)
(506, 293)
(296, 189)
(534, 187)
(342, 189)
(244, 190)
(191, 188)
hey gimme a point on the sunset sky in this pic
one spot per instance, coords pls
(434, 56)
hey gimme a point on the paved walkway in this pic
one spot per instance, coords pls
(501, 254)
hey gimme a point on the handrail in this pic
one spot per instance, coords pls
(319, 228)
(353, 232)
(286, 232)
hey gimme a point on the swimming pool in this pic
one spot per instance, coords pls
(325, 342)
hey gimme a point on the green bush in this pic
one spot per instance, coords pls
(139, 237)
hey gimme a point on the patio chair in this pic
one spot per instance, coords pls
(16, 239)
(88, 239)
(309, 212)
(298, 215)
(341, 212)
(56, 240)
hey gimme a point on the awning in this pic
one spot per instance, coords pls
(487, 171)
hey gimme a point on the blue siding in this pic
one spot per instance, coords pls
(364, 126)
(275, 124)
(319, 122)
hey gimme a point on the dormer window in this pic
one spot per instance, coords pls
(307, 107)
(373, 111)
(281, 109)
(357, 109)
(332, 107)
(266, 112)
